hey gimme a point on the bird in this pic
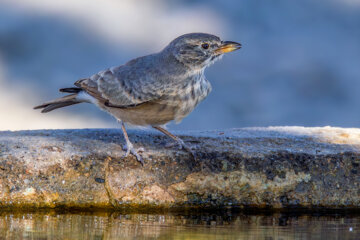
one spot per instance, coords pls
(151, 90)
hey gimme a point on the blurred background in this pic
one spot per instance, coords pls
(299, 65)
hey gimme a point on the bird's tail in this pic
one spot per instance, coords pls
(61, 102)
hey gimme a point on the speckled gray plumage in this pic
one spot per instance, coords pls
(155, 96)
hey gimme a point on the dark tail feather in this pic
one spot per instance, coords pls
(70, 90)
(54, 106)
(59, 103)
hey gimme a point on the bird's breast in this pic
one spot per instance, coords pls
(190, 95)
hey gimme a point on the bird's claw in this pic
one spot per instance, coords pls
(129, 148)
(174, 145)
(181, 145)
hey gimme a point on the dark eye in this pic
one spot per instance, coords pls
(205, 45)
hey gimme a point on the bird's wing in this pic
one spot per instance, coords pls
(121, 87)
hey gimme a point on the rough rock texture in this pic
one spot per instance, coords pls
(260, 167)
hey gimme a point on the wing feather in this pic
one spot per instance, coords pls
(129, 85)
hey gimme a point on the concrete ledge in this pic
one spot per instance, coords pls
(272, 167)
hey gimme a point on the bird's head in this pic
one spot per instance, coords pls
(199, 50)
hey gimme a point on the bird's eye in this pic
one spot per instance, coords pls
(205, 45)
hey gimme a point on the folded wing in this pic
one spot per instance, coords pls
(122, 87)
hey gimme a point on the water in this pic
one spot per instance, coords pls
(220, 225)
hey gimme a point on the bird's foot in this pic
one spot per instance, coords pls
(181, 145)
(173, 145)
(129, 148)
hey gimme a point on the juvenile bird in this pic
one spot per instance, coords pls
(151, 90)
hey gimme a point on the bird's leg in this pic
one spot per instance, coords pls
(129, 146)
(177, 139)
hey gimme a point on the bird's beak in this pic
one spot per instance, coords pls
(228, 46)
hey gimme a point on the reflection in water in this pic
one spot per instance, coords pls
(106, 225)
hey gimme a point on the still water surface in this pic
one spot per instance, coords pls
(220, 225)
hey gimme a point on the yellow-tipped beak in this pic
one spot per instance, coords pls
(228, 46)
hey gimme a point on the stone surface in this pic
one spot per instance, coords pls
(272, 167)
